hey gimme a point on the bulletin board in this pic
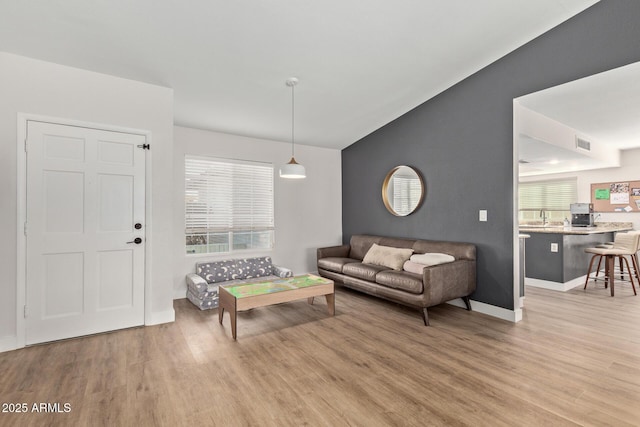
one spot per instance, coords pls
(618, 196)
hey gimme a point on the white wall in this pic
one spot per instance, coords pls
(308, 212)
(628, 171)
(41, 88)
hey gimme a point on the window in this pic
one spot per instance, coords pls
(553, 197)
(229, 205)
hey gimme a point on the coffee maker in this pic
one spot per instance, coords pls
(581, 214)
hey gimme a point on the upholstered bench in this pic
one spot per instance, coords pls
(202, 286)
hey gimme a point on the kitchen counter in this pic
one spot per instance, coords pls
(601, 227)
(555, 255)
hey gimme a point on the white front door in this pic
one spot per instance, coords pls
(85, 210)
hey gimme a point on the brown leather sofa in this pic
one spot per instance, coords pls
(437, 284)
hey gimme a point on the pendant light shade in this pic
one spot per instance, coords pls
(293, 169)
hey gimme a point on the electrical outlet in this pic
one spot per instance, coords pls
(482, 215)
(554, 247)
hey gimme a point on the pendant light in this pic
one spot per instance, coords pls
(292, 169)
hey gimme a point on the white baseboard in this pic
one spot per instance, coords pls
(555, 286)
(11, 343)
(491, 310)
(8, 344)
(167, 316)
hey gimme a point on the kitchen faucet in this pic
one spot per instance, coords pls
(543, 215)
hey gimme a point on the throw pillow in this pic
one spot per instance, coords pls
(387, 256)
(413, 267)
(430, 259)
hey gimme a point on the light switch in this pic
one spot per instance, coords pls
(554, 247)
(483, 215)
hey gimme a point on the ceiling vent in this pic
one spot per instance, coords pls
(583, 144)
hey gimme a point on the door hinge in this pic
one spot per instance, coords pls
(25, 312)
(25, 145)
(145, 146)
(25, 228)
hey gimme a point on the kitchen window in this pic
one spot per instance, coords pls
(228, 205)
(546, 200)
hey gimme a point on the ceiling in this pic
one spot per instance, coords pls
(361, 64)
(603, 109)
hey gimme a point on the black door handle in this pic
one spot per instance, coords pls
(137, 241)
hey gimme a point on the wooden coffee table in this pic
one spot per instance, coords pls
(235, 298)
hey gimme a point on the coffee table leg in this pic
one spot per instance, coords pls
(331, 303)
(310, 300)
(232, 314)
(230, 303)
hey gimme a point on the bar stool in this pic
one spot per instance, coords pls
(625, 244)
(609, 245)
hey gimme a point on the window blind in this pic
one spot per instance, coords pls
(555, 195)
(227, 195)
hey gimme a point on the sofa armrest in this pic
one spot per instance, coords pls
(341, 251)
(445, 282)
(196, 281)
(281, 271)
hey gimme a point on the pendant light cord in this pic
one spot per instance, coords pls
(293, 109)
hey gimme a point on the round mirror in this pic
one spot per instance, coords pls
(402, 190)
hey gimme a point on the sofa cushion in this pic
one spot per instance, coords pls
(413, 267)
(430, 259)
(361, 244)
(387, 256)
(457, 249)
(397, 242)
(221, 271)
(363, 271)
(402, 280)
(203, 303)
(334, 263)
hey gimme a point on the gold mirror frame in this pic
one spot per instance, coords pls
(386, 187)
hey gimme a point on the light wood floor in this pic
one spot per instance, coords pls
(573, 360)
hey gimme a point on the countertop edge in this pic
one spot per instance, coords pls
(575, 230)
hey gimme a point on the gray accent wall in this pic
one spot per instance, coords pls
(461, 141)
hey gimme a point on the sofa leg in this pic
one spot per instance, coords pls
(425, 316)
(467, 302)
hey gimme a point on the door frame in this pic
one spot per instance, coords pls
(21, 246)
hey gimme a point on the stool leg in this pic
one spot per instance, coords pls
(609, 271)
(599, 262)
(589, 270)
(630, 275)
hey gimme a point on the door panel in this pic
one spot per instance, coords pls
(115, 279)
(115, 152)
(85, 192)
(63, 285)
(62, 147)
(65, 217)
(116, 203)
